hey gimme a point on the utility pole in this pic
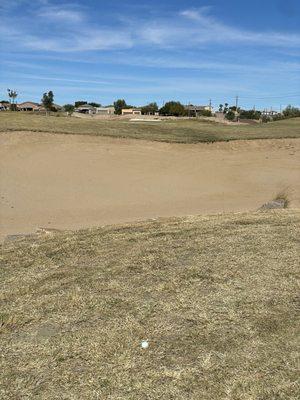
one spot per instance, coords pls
(209, 104)
(236, 101)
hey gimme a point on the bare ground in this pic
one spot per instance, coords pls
(76, 181)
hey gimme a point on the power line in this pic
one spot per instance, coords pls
(282, 96)
(271, 97)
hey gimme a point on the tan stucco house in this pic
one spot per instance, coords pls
(131, 111)
(28, 106)
(105, 110)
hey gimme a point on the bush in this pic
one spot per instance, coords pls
(250, 114)
(69, 108)
(206, 113)
(230, 115)
(278, 117)
(265, 119)
(291, 112)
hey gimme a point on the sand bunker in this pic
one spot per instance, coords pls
(74, 181)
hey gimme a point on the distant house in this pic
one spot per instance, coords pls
(57, 107)
(269, 113)
(4, 106)
(28, 106)
(31, 106)
(131, 111)
(105, 110)
(86, 109)
(195, 111)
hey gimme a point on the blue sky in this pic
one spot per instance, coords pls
(145, 51)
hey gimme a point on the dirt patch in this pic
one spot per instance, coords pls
(75, 181)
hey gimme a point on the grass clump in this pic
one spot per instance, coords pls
(284, 197)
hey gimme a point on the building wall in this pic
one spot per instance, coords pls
(105, 111)
(131, 111)
(28, 107)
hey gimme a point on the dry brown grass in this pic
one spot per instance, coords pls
(284, 196)
(173, 131)
(215, 296)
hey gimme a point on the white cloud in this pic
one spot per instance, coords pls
(97, 40)
(199, 14)
(61, 14)
(189, 29)
(213, 30)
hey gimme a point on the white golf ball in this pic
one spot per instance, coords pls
(145, 344)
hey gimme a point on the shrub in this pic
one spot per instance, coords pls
(291, 112)
(250, 114)
(206, 113)
(230, 115)
(265, 119)
(69, 108)
(278, 117)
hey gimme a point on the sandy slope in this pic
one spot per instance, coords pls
(73, 181)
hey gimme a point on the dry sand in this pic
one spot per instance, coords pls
(74, 181)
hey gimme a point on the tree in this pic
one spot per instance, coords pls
(47, 101)
(291, 112)
(230, 115)
(250, 114)
(69, 108)
(221, 108)
(225, 110)
(174, 108)
(95, 104)
(150, 108)
(12, 94)
(80, 103)
(119, 105)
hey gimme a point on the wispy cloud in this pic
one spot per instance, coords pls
(215, 31)
(143, 53)
(89, 40)
(58, 13)
(189, 28)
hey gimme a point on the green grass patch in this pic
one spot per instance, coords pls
(178, 131)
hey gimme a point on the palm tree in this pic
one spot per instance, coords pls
(12, 94)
